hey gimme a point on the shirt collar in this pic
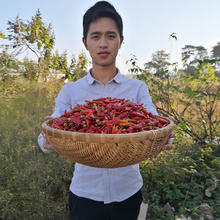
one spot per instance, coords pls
(117, 78)
(90, 79)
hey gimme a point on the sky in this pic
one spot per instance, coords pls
(148, 25)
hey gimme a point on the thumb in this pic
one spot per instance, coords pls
(47, 118)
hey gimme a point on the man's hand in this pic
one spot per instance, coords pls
(168, 145)
(46, 144)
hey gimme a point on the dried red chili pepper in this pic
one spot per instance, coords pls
(100, 111)
(127, 124)
(151, 115)
(134, 113)
(109, 115)
(119, 131)
(139, 125)
(115, 129)
(122, 115)
(82, 129)
(155, 123)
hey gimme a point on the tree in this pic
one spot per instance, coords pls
(32, 36)
(159, 63)
(77, 68)
(81, 66)
(192, 100)
(59, 62)
(191, 55)
(9, 72)
(194, 53)
(215, 54)
(9, 66)
(30, 68)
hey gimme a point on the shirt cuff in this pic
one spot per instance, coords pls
(40, 142)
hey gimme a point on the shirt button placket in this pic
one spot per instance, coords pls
(105, 92)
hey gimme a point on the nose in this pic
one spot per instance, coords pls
(103, 42)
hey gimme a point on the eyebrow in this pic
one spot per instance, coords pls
(108, 32)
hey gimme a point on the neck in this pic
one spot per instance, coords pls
(103, 73)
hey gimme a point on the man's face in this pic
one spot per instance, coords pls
(103, 41)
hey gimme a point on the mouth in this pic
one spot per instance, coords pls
(103, 53)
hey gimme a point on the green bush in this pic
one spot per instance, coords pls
(33, 185)
(181, 177)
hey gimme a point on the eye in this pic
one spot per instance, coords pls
(111, 36)
(95, 37)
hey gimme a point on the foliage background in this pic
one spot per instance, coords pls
(33, 185)
(36, 185)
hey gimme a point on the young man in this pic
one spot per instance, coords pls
(100, 193)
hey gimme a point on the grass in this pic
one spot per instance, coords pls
(34, 185)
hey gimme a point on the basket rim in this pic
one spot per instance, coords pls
(105, 138)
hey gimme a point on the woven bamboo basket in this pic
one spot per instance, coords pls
(107, 150)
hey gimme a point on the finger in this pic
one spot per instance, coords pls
(172, 118)
(47, 118)
(46, 141)
(48, 147)
(46, 144)
(172, 134)
(168, 146)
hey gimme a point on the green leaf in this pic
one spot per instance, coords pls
(197, 103)
(2, 35)
(185, 59)
(174, 87)
(173, 35)
(39, 45)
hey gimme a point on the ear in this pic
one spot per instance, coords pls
(121, 40)
(84, 42)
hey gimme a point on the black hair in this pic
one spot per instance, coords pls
(101, 9)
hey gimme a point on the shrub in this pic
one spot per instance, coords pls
(33, 185)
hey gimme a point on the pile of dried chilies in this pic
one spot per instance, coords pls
(109, 116)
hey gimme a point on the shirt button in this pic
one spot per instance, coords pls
(104, 171)
(105, 94)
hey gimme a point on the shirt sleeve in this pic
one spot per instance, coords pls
(145, 98)
(62, 103)
(40, 142)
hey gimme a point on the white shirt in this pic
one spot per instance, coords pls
(103, 184)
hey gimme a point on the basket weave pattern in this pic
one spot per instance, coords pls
(107, 150)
